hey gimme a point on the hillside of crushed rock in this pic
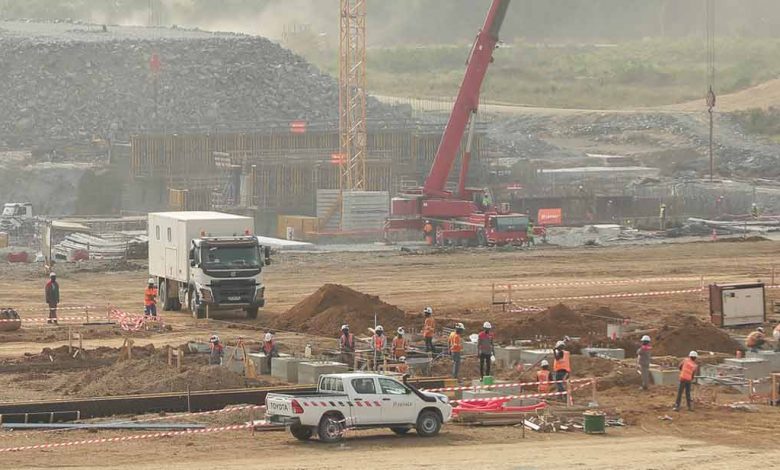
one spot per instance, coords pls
(67, 82)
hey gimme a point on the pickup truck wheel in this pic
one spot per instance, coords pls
(302, 433)
(330, 429)
(401, 430)
(428, 424)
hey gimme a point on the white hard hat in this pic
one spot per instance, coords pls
(560, 344)
(428, 310)
(487, 325)
(379, 328)
(151, 280)
(693, 354)
(645, 339)
(460, 326)
(402, 358)
(344, 327)
(268, 337)
(52, 274)
(214, 339)
(544, 363)
(760, 328)
(401, 330)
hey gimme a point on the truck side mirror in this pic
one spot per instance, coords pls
(267, 254)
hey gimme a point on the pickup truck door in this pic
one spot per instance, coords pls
(399, 405)
(366, 402)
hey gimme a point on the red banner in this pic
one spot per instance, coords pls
(298, 127)
(550, 217)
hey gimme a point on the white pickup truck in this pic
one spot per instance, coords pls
(358, 401)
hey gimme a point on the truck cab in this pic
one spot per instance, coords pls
(225, 273)
(358, 401)
(14, 215)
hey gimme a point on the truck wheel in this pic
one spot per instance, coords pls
(251, 312)
(428, 424)
(401, 430)
(166, 302)
(302, 433)
(330, 429)
(197, 309)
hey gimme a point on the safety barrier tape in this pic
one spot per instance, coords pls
(188, 432)
(517, 309)
(518, 384)
(600, 283)
(620, 295)
(60, 307)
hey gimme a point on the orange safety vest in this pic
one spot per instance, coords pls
(379, 342)
(149, 296)
(348, 341)
(428, 327)
(543, 376)
(456, 342)
(752, 339)
(688, 369)
(564, 363)
(399, 346)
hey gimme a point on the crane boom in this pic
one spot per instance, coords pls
(466, 104)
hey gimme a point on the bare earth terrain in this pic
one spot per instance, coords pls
(458, 286)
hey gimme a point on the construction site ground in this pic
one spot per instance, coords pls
(458, 286)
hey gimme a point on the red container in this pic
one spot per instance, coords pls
(447, 208)
(404, 207)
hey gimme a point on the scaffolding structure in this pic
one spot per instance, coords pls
(353, 131)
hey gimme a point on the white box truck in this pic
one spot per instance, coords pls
(206, 262)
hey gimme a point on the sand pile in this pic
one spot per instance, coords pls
(149, 376)
(690, 333)
(557, 322)
(332, 305)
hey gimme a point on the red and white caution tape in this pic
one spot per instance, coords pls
(518, 309)
(616, 282)
(620, 295)
(188, 432)
(494, 386)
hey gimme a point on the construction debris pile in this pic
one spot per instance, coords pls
(117, 245)
(559, 321)
(681, 334)
(332, 305)
(75, 82)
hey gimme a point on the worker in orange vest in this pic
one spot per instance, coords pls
(378, 345)
(429, 327)
(403, 367)
(428, 232)
(688, 368)
(561, 365)
(455, 342)
(399, 345)
(544, 376)
(755, 340)
(150, 298)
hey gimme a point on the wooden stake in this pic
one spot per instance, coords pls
(569, 400)
(593, 390)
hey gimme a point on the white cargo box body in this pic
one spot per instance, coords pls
(171, 233)
(737, 304)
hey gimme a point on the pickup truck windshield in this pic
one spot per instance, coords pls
(511, 224)
(231, 257)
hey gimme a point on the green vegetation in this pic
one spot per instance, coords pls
(646, 73)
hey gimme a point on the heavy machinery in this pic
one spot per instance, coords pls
(15, 216)
(207, 262)
(467, 215)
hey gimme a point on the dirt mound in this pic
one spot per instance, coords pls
(691, 334)
(149, 376)
(333, 305)
(559, 321)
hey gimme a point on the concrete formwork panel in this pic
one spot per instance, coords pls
(773, 358)
(261, 364)
(752, 368)
(286, 368)
(613, 353)
(310, 372)
(508, 355)
(665, 376)
(532, 356)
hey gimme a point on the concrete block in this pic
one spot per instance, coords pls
(665, 376)
(773, 358)
(613, 353)
(533, 356)
(479, 394)
(286, 368)
(469, 348)
(310, 372)
(508, 355)
(261, 364)
(233, 360)
(751, 368)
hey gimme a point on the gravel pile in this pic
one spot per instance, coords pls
(72, 83)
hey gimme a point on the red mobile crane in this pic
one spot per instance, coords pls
(468, 215)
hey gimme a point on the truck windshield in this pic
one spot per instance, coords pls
(216, 257)
(8, 210)
(511, 224)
